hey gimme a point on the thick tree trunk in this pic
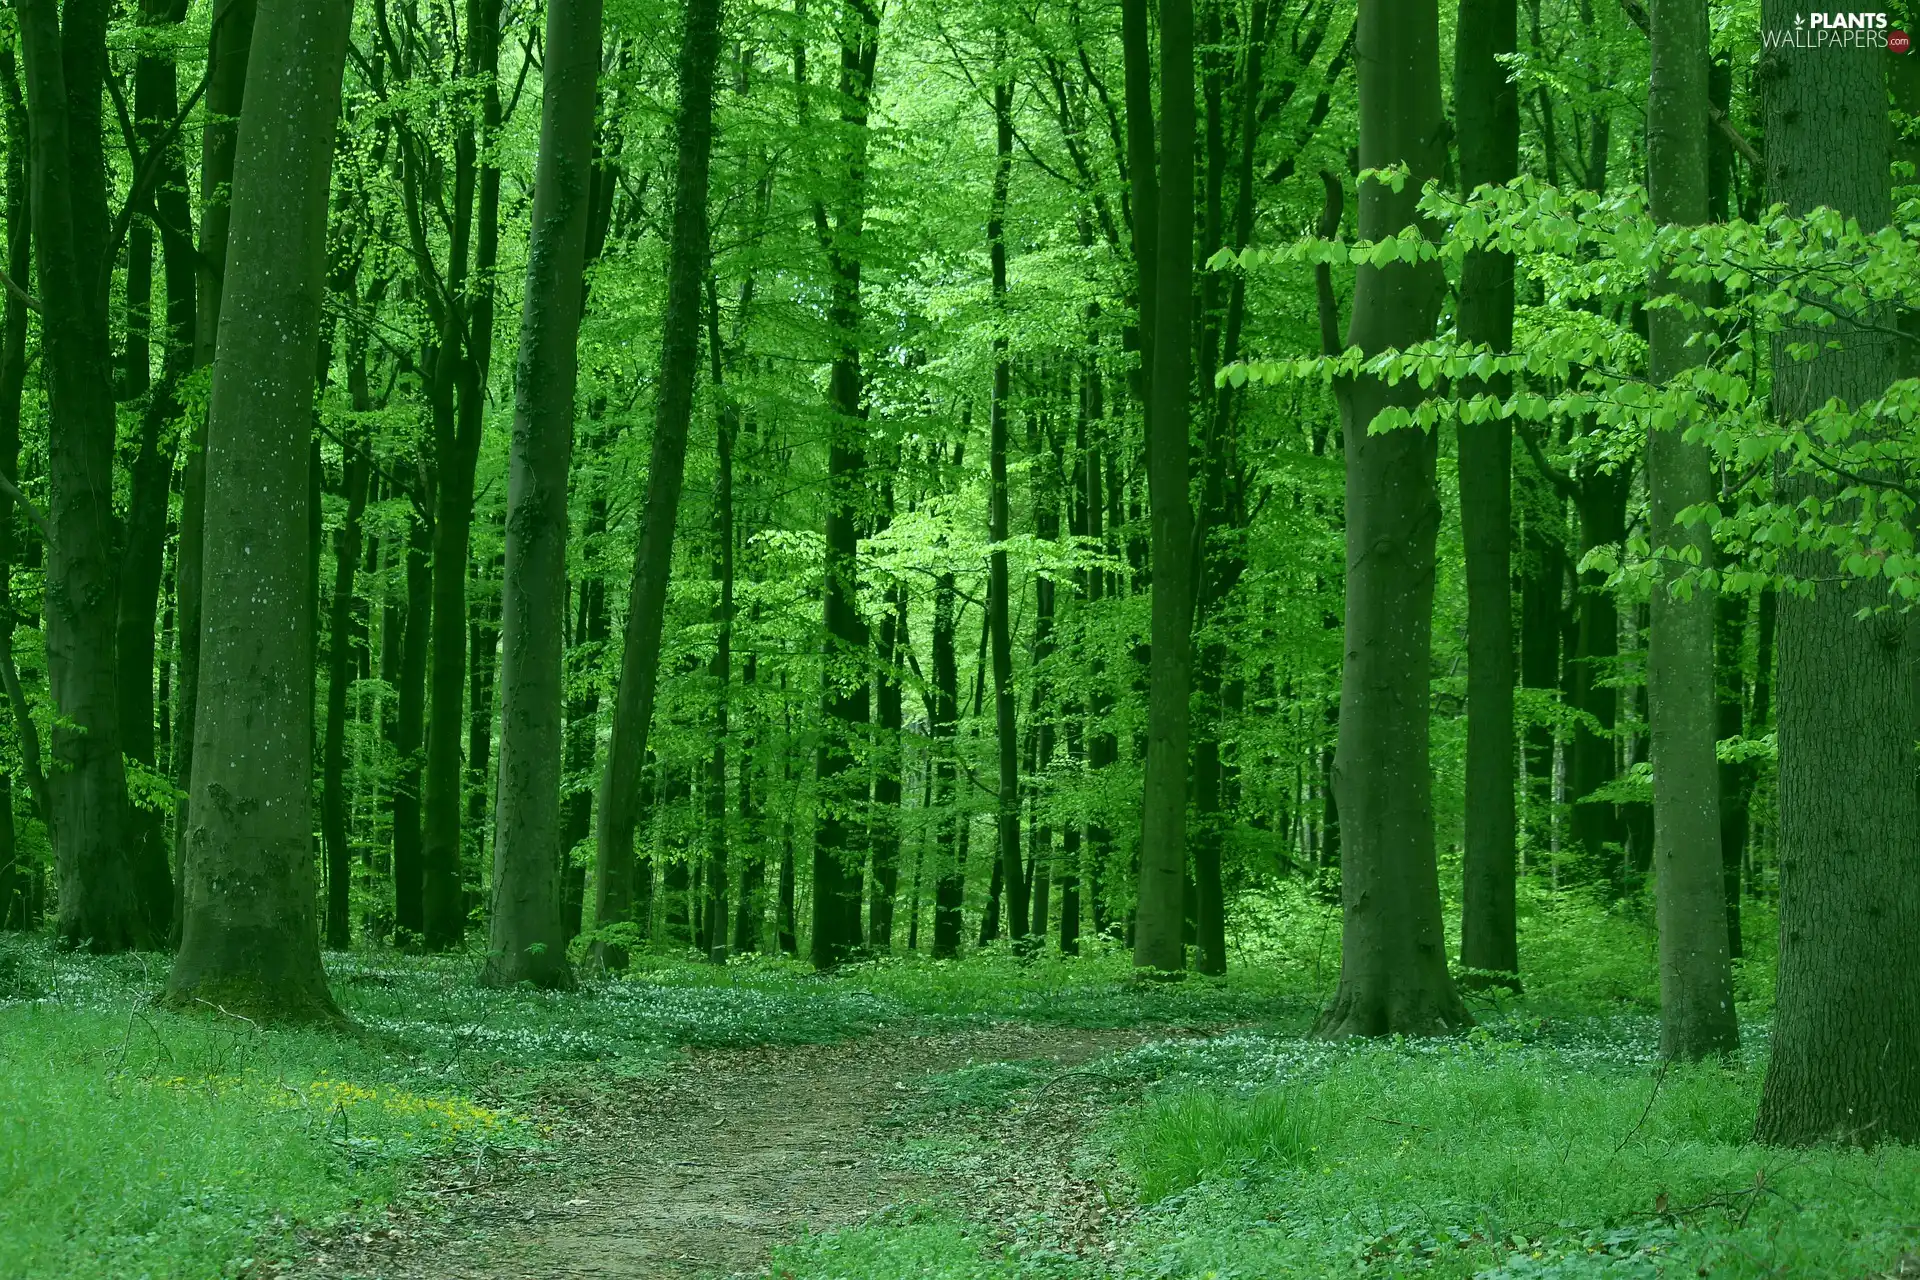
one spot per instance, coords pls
(250, 944)
(66, 67)
(526, 940)
(1158, 944)
(1845, 1061)
(666, 470)
(1393, 963)
(1696, 979)
(228, 49)
(1488, 107)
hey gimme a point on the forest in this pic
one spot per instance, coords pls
(817, 639)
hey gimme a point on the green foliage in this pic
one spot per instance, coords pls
(1194, 1136)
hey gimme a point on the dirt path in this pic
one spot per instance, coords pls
(700, 1173)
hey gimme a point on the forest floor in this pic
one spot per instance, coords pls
(703, 1171)
(998, 1118)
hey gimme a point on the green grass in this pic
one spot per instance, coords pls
(1514, 1151)
(1547, 1142)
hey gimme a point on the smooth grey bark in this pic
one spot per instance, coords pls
(1158, 941)
(1393, 960)
(228, 47)
(1487, 105)
(666, 471)
(526, 941)
(1845, 1061)
(1696, 977)
(250, 943)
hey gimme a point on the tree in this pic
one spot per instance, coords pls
(1158, 944)
(1845, 1060)
(1487, 105)
(66, 63)
(1006, 730)
(1696, 978)
(250, 942)
(526, 941)
(1393, 962)
(666, 472)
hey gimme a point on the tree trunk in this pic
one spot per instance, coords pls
(950, 864)
(720, 672)
(1393, 962)
(1696, 980)
(17, 881)
(355, 467)
(885, 828)
(666, 470)
(409, 728)
(583, 711)
(526, 938)
(1158, 943)
(229, 46)
(467, 344)
(1729, 647)
(844, 702)
(144, 541)
(1601, 501)
(1845, 1062)
(1006, 731)
(1488, 107)
(66, 68)
(250, 943)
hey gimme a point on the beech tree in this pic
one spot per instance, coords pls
(250, 942)
(526, 940)
(1393, 962)
(1842, 1065)
(1696, 977)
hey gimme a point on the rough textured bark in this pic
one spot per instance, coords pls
(1845, 1061)
(666, 470)
(1696, 979)
(1158, 944)
(1488, 108)
(66, 67)
(526, 940)
(250, 943)
(1393, 962)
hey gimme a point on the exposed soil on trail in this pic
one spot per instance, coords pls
(697, 1174)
